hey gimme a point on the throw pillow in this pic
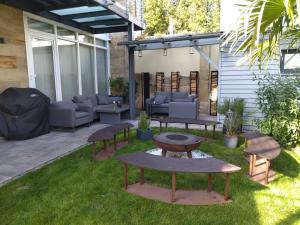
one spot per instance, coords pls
(79, 99)
(159, 99)
(102, 100)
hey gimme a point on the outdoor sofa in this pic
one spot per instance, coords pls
(174, 104)
(79, 111)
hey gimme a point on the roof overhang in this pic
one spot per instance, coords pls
(175, 41)
(93, 16)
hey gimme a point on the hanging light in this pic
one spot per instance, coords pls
(192, 50)
(165, 53)
(140, 52)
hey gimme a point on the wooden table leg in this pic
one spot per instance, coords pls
(142, 180)
(115, 143)
(128, 135)
(125, 176)
(227, 187)
(160, 127)
(125, 134)
(163, 152)
(209, 185)
(166, 125)
(189, 154)
(173, 199)
(267, 171)
(186, 127)
(250, 165)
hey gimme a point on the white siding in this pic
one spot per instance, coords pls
(236, 81)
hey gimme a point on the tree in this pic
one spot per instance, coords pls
(188, 15)
(261, 25)
(155, 17)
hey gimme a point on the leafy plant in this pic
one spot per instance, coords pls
(143, 121)
(261, 26)
(233, 122)
(278, 98)
(236, 105)
(117, 86)
(233, 111)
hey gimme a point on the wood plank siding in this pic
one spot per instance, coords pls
(236, 81)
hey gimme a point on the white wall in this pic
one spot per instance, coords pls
(178, 59)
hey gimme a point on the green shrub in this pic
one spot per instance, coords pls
(233, 111)
(143, 121)
(278, 99)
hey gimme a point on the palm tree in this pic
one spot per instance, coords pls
(261, 25)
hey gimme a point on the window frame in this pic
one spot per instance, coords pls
(282, 61)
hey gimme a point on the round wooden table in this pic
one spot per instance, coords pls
(177, 142)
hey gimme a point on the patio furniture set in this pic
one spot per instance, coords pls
(85, 109)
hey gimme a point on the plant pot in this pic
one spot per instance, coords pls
(144, 135)
(231, 141)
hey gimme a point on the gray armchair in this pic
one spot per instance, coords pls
(69, 115)
(184, 109)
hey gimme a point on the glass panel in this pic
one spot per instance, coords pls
(43, 66)
(66, 33)
(40, 26)
(101, 71)
(100, 42)
(292, 61)
(87, 69)
(85, 38)
(68, 69)
(96, 18)
(104, 26)
(76, 10)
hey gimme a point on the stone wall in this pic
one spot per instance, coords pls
(13, 66)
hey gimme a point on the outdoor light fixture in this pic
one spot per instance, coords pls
(140, 52)
(165, 52)
(192, 50)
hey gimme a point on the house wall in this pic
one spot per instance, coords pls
(236, 81)
(13, 65)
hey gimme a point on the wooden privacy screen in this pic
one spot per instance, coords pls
(194, 83)
(214, 92)
(175, 81)
(160, 81)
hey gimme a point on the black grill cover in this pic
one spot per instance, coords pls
(23, 113)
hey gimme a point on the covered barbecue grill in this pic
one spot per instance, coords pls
(23, 113)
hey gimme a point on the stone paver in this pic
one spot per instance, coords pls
(19, 157)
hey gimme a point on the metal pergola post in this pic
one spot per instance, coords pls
(131, 71)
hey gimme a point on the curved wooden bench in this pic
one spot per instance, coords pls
(261, 150)
(106, 134)
(206, 165)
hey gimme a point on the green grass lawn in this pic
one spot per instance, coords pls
(76, 190)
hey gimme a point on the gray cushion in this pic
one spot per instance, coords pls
(98, 107)
(192, 97)
(159, 99)
(168, 95)
(81, 114)
(165, 105)
(183, 100)
(102, 100)
(93, 99)
(65, 104)
(179, 95)
(79, 98)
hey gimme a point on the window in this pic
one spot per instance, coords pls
(40, 26)
(66, 33)
(87, 69)
(85, 38)
(290, 61)
(68, 69)
(101, 71)
(100, 42)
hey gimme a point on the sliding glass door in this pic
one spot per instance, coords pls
(87, 69)
(44, 73)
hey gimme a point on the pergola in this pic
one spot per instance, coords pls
(193, 41)
(93, 16)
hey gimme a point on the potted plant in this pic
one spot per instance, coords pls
(117, 86)
(233, 112)
(143, 132)
(232, 123)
